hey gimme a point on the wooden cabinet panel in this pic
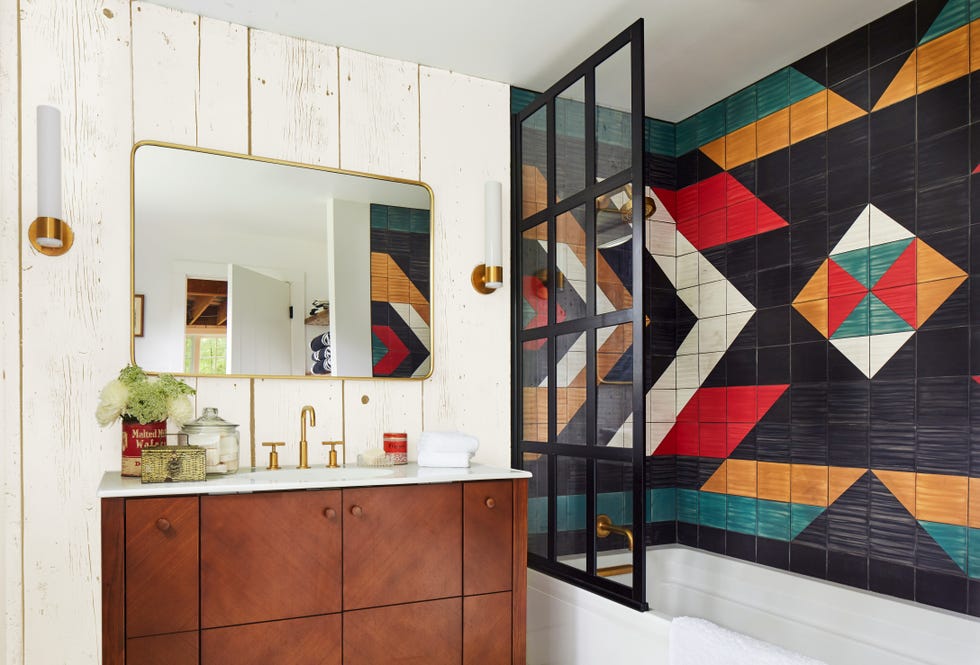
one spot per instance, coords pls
(487, 629)
(172, 649)
(401, 544)
(487, 537)
(414, 634)
(269, 556)
(306, 641)
(161, 565)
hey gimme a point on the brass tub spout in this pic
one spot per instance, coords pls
(604, 527)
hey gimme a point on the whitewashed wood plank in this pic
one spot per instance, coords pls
(165, 74)
(277, 409)
(379, 115)
(231, 397)
(75, 314)
(465, 141)
(10, 507)
(392, 406)
(294, 99)
(222, 114)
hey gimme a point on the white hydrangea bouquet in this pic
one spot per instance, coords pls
(133, 396)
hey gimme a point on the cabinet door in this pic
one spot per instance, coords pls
(401, 544)
(487, 629)
(161, 565)
(414, 634)
(307, 641)
(172, 649)
(487, 536)
(269, 555)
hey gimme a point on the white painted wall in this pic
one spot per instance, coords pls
(349, 259)
(122, 72)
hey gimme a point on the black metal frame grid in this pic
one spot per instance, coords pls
(635, 596)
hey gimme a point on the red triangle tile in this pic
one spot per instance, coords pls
(839, 307)
(901, 299)
(711, 193)
(977, 170)
(736, 191)
(840, 283)
(768, 220)
(669, 444)
(767, 396)
(735, 433)
(669, 199)
(901, 272)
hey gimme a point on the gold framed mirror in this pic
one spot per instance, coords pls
(258, 267)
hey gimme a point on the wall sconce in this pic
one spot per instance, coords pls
(48, 233)
(489, 276)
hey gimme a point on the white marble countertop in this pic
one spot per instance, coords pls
(261, 480)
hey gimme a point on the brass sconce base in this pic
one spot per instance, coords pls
(52, 228)
(478, 278)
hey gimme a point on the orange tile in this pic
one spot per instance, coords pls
(902, 86)
(840, 480)
(930, 295)
(973, 517)
(774, 481)
(718, 482)
(740, 148)
(943, 59)
(816, 288)
(840, 110)
(941, 498)
(808, 117)
(379, 289)
(379, 264)
(743, 477)
(814, 311)
(715, 151)
(930, 265)
(808, 484)
(902, 485)
(975, 46)
(772, 132)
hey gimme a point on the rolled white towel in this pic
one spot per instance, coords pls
(698, 642)
(445, 460)
(448, 442)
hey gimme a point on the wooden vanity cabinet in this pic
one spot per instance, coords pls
(431, 573)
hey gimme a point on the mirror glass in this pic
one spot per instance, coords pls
(246, 266)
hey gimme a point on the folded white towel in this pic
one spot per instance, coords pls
(699, 642)
(447, 460)
(448, 442)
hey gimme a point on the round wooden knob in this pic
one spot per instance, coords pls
(356, 511)
(490, 502)
(330, 513)
(163, 524)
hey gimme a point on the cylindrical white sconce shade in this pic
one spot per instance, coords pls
(494, 261)
(48, 162)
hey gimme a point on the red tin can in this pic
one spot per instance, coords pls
(396, 445)
(135, 437)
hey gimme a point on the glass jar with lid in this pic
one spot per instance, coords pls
(218, 437)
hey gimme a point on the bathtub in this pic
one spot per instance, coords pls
(837, 624)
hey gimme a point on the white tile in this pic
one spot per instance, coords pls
(712, 298)
(661, 405)
(684, 245)
(857, 236)
(735, 301)
(857, 350)
(690, 297)
(687, 372)
(711, 334)
(883, 347)
(661, 238)
(669, 265)
(656, 432)
(687, 270)
(885, 229)
(683, 397)
(667, 380)
(690, 344)
(707, 363)
(734, 323)
(707, 272)
(661, 213)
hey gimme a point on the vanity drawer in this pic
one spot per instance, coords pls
(310, 641)
(487, 537)
(173, 649)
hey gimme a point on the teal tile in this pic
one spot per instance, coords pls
(743, 514)
(687, 135)
(379, 216)
(399, 219)
(378, 349)
(569, 118)
(713, 510)
(884, 319)
(537, 514)
(711, 123)
(883, 256)
(774, 519)
(659, 137)
(951, 538)
(574, 512)
(772, 93)
(612, 127)
(519, 98)
(687, 506)
(857, 323)
(420, 221)
(974, 9)
(802, 516)
(954, 15)
(537, 121)
(740, 109)
(801, 86)
(974, 550)
(857, 263)
(662, 505)
(614, 505)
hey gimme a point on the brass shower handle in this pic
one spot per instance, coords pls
(604, 526)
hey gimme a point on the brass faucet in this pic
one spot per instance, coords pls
(304, 461)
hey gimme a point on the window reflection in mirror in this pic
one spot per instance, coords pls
(262, 268)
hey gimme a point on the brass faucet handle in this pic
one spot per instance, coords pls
(273, 455)
(332, 464)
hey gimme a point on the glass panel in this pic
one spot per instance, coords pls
(614, 500)
(614, 378)
(534, 364)
(612, 115)
(534, 266)
(570, 141)
(570, 289)
(534, 167)
(614, 251)
(570, 385)
(537, 503)
(572, 521)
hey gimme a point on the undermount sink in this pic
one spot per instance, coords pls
(293, 474)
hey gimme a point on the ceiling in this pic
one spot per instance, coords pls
(697, 51)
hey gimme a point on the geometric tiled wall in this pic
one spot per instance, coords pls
(400, 266)
(815, 409)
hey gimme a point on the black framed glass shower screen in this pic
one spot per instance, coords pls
(578, 320)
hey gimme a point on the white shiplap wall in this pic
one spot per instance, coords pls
(122, 72)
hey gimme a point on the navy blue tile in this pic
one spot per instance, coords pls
(808, 158)
(847, 519)
(773, 442)
(809, 362)
(881, 76)
(747, 449)
(740, 367)
(847, 56)
(955, 311)
(802, 271)
(892, 529)
(773, 553)
(774, 365)
(974, 608)
(740, 546)
(849, 569)
(893, 34)
(893, 579)
(809, 442)
(772, 248)
(943, 401)
(687, 473)
(892, 446)
(807, 198)
(779, 412)
(839, 221)
(942, 449)
(945, 157)
(740, 256)
(661, 533)
(847, 444)
(893, 402)
(900, 206)
(849, 401)
(808, 402)
(712, 540)
(808, 241)
(848, 143)
(839, 368)
(926, 12)
(975, 96)
(814, 65)
(747, 338)
(687, 534)
(948, 592)
(855, 89)
(687, 169)
(806, 560)
(774, 287)
(901, 366)
(772, 171)
(944, 352)
(953, 244)
(943, 108)
(892, 127)
(893, 171)
(745, 174)
(707, 167)
(802, 330)
(777, 200)
(848, 186)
